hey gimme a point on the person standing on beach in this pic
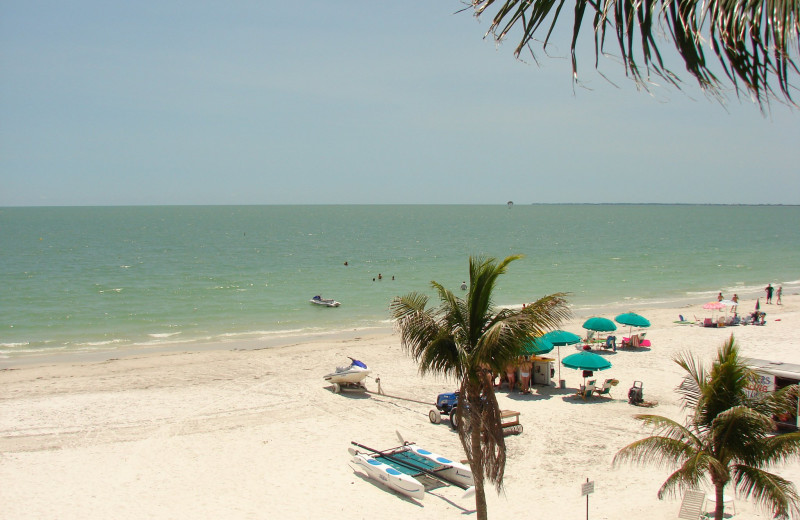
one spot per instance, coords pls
(769, 290)
(511, 376)
(719, 297)
(525, 376)
(778, 295)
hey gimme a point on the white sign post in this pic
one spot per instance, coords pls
(587, 488)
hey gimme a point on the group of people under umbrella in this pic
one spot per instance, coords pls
(585, 360)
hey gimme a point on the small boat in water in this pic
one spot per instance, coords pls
(319, 300)
(350, 376)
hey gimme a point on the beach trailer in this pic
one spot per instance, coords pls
(775, 375)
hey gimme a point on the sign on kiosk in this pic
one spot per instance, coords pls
(764, 385)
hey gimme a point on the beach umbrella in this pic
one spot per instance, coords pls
(537, 346)
(560, 338)
(631, 319)
(713, 306)
(599, 325)
(728, 304)
(586, 360)
(758, 305)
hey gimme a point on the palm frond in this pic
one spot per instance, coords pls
(780, 448)
(546, 313)
(725, 438)
(659, 450)
(669, 428)
(770, 491)
(737, 433)
(468, 339)
(423, 337)
(780, 401)
(754, 41)
(691, 388)
(689, 475)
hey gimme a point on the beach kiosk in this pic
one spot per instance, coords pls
(542, 370)
(775, 375)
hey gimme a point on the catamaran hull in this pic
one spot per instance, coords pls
(390, 477)
(452, 470)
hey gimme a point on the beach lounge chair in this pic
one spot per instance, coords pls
(606, 388)
(586, 391)
(692, 505)
(633, 341)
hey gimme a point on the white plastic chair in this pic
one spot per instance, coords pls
(692, 505)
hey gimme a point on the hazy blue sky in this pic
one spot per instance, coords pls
(349, 102)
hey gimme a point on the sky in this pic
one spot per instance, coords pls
(353, 102)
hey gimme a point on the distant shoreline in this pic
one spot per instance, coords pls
(484, 204)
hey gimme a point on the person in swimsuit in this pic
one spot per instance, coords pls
(511, 376)
(769, 290)
(525, 376)
(778, 295)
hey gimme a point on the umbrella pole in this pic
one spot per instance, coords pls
(559, 365)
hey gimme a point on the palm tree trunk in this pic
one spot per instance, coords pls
(476, 465)
(720, 504)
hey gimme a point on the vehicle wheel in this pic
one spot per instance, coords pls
(336, 388)
(435, 416)
(454, 418)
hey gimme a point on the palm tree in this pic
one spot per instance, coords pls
(728, 436)
(755, 41)
(469, 340)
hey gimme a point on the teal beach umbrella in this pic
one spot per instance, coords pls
(586, 360)
(560, 338)
(599, 325)
(632, 320)
(537, 346)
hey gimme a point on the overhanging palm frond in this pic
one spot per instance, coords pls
(754, 41)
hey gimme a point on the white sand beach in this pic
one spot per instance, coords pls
(256, 433)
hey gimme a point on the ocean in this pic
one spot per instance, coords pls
(78, 279)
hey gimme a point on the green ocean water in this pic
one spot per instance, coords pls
(88, 278)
